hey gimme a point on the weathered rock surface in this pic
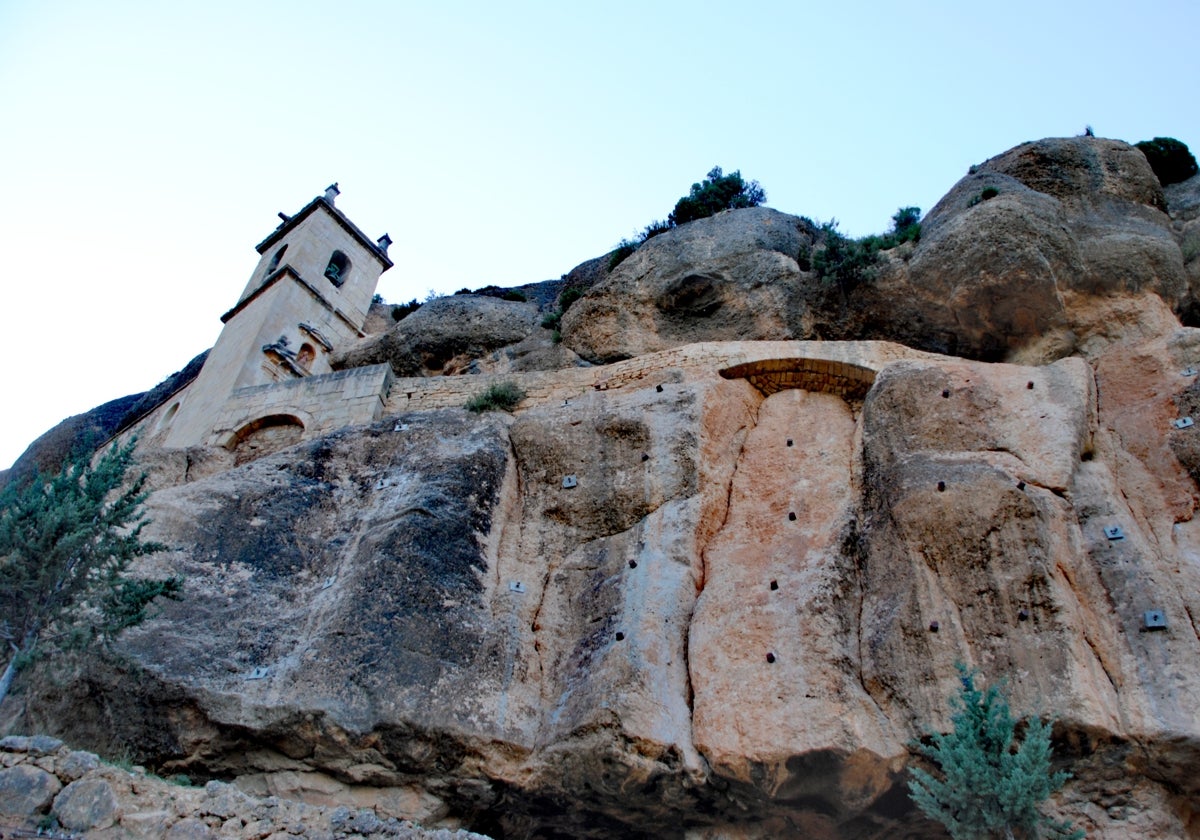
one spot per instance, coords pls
(730, 277)
(446, 335)
(712, 633)
(1183, 204)
(679, 599)
(1068, 254)
(1075, 221)
(108, 801)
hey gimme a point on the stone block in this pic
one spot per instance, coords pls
(25, 791)
(32, 744)
(87, 805)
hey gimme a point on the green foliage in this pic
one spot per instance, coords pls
(502, 396)
(378, 298)
(715, 193)
(991, 783)
(65, 544)
(988, 193)
(906, 225)
(847, 262)
(402, 310)
(658, 226)
(514, 295)
(553, 320)
(1170, 159)
(619, 254)
(851, 262)
(569, 295)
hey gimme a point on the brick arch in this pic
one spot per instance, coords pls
(847, 380)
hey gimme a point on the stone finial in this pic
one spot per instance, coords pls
(383, 242)
(332, 192)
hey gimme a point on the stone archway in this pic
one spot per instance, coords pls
(265, 435)
(848, 381)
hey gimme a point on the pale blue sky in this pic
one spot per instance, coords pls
(148, 145)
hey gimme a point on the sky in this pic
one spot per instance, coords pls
(147, 146)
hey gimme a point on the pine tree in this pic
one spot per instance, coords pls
(991, 784)
(65, 544)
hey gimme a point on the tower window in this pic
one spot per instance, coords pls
(338, 268)
(275, 260)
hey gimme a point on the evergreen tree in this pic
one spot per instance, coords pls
(991, 784)
(715, 193)
(65, 543)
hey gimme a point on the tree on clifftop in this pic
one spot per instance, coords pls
(991, 784)
(1170, 159)
(65, 543)
(715, 193)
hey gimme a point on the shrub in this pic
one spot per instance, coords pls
(569, 295)
(502, 396)
(378, 298)
(402, 310)
(513, 294)
(991, 783)
(1170, 159)
(464, 291)
(655, 228)
(65, 544)
(846, 261)
(621, 252)
(552, 320)
(715, 193)
(988, 192)
(906, 227)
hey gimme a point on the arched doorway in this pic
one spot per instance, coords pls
(265, 435)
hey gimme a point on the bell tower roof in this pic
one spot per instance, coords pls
(377, 250)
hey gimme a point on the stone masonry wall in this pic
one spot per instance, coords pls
(322, 403)
(837, 367)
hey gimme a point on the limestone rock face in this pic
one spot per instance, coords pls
(692, 601)
(445, 335)
(1183, 204)
(713, 589)
(1073, 220)
(729, 277)
(1073, 250)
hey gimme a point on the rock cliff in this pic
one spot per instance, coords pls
(716, 589)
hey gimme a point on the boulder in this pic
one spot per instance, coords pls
(26, 791)
(87, 805)
(728, 277)
(1071, 229)
(445, 335)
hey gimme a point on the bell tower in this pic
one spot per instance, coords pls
(307, 298)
